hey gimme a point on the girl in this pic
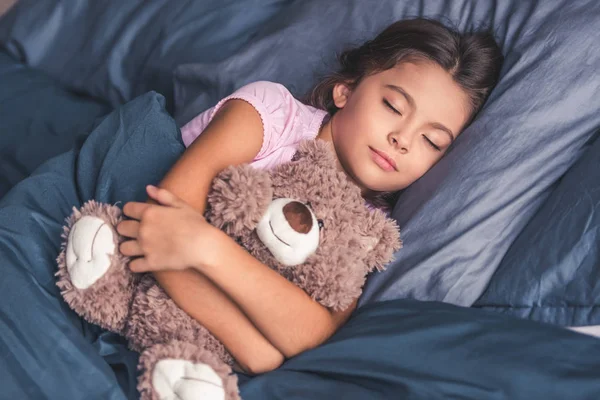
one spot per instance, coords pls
(391, 112)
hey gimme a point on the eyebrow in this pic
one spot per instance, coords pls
(411, 102)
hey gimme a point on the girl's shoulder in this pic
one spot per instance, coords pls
(279, 110)
(286, 120)
(271, 96)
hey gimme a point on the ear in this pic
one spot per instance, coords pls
(239, 197)
(341, 94)
(381, 241)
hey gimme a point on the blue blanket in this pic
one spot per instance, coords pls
(405, 349)
(47, 351)
(398, 348)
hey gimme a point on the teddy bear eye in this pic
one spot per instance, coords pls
(321, 224)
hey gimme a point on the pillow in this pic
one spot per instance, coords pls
(40, 119)
(116, 50)
(551, 273)
(457, 221)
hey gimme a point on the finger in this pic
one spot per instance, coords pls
(129, 228)
(131, 248)
(139, 265)
(163, 196)
(135, 210)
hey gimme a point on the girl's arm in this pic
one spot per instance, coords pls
(174, 236)
(283, 312)
(212, 308)
(233, 137)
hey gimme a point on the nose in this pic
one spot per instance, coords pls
(298, 216)
(401, 140)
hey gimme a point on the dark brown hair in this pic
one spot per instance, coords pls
(473, 59)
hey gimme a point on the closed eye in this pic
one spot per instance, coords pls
(432, 144)
(391, 107)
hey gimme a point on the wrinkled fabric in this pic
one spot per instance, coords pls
(551, 273)
(39, 118)
(457, 221)
(116, 50)
(406, 349)
(46, 350)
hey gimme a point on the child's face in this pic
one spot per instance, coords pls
(410, 113)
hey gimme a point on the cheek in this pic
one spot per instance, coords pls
(424, 163)
(346, 125)
(418, 165)
(361, 114)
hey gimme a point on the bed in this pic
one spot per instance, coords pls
(474, 306)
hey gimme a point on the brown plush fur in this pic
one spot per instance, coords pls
(354, 241)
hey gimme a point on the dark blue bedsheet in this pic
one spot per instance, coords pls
(399, 349)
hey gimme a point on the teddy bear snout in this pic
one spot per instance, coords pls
(298, 216)
(290, 231)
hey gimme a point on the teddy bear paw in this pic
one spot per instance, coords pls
(184, 380)
(89, 249)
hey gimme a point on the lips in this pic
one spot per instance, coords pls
(384, 161)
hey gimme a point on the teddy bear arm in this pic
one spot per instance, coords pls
(92, 274)
(333, 285)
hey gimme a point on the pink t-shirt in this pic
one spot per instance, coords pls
(286, 121)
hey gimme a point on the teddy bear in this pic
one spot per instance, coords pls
(305, 219)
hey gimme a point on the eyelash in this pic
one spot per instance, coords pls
(432, 144)
(388, 105)
(391, 107)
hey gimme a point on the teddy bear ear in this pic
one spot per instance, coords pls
(238, 199)
(315, 152)
(380, 247)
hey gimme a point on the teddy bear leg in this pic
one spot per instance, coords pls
(92, 274)
(184, 371)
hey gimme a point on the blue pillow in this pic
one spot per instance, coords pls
(116, 50)
(458, 221)
(551, 273)
(40, 119)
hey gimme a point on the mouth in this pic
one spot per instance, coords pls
(384, 161)
(278, 238)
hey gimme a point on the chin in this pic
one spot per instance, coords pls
(367, 175)
(378, 185)
(369, 182)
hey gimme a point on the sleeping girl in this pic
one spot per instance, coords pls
(391, 112)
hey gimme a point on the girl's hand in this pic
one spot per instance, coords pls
(169, 236)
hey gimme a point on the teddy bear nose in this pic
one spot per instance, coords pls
(298, 216)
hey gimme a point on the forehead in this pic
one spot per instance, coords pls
(438, 98)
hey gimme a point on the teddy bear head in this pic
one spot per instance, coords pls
(308, 221)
